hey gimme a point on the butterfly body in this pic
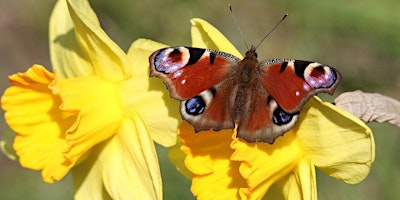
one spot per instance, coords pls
(218, 90)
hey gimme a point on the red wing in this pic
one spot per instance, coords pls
(202, 80)
(188, 71)
(210, 108)
(263, 119)
(292, 82)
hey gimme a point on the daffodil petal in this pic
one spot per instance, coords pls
(152, 100)
(291, 188)
(65, 53)
(131, 169)
(33, 112)
(299, 184)
(88, 182)
(207, 157)
(305, 181)
(263, 163)
(338, 143)
(177, 157)
(107, 59)
(205, 35)
(97, 104)
(139, 53)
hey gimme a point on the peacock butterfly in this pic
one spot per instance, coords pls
(218, 90)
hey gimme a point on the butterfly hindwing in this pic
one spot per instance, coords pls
(264, 120)
(209, 109)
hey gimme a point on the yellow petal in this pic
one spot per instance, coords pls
(152, 100)
(107, 59)
(139, 53)
(124, 167)
(263, 164)
(205, 35)
(131, 169)
(33, 112)
(305, 182)
(207, 157)
(177, 157)
(97, 103)
(87, 176)
(299, 184)
(337, 142)
(66, 55)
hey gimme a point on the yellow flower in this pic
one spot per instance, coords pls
(99, 110)
(224, 167)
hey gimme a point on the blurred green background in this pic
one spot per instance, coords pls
(360, 38)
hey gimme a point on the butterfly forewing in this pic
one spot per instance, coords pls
(189, 71)
(292, 82)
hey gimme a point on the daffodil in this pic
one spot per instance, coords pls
(224, 167)
(97, 114)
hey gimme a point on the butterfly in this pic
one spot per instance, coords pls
(218, 90)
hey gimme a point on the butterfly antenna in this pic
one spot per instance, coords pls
(283, 18)
(237, 26)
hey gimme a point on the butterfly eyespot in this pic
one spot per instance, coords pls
(280, 117)
(320, 76)
(195, 105)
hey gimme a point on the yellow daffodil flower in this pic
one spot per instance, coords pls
(99, 110)
(224, 167)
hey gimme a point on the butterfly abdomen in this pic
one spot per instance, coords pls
(245, 87)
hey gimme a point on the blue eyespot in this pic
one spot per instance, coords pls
(195, 105)
(280, 117)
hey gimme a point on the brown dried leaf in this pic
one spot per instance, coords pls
(370, 106)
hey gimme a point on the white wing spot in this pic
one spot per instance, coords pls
(177, 74)
(306, 87)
